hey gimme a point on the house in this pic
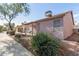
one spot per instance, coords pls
(61, 25)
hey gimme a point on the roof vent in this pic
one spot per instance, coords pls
(48, 13)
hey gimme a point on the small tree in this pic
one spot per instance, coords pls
(45, 45)
(9, 11)
(7, 26)
(12, 32)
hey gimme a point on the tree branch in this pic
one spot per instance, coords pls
(6, 19)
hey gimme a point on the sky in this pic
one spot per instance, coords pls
(37, 11)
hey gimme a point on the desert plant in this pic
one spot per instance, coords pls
(2, 28)
(12, 32)
(18, 36)
(44, 44)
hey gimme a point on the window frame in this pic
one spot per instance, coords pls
(58, 22)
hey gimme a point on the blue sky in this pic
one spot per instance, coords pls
(37, 11)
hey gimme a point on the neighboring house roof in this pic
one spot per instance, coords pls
(51, 18)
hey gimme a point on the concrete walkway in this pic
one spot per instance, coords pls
(9, 47)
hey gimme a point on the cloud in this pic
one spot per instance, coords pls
(76, 18)
(76, 15)
(2, 22)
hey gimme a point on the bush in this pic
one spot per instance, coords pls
(11, 32)
(18, 36)
(45, 45)
(2, 28)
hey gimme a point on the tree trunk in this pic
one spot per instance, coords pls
(10, 26)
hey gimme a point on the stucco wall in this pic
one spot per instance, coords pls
(58, 28)
(60, 32)
(68, 25)
(46, 26)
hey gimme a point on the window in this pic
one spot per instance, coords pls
(58, 23)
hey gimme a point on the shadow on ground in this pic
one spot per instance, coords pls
(12, 48)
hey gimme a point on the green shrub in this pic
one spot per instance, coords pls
(1, 28)
(45, 45)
